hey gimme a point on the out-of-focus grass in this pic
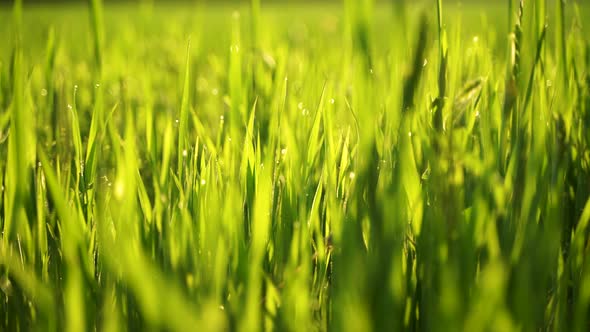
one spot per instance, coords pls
(342, 166)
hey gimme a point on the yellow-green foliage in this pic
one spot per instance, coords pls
(349, 166)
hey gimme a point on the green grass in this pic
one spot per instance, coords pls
(348, 166)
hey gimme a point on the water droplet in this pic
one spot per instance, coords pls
(215, 92)
(332, 101)
(549, 83)
(477, 114)
(284, 152)
(43, 92)
(184, 153)
(201, 83)
(476, 39)
(425, 63)
(221, 118)
(69, 106)
(97, 85)
(351, 175)
(300, 105)
(177, 121)
(203, 182)
(119, 189)
(409, 133)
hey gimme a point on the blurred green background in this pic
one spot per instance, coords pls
(383, 220)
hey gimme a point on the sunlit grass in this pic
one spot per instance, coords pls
(357, 166)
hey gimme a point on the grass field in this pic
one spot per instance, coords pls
(345, 166)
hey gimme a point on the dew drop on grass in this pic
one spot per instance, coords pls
(69, 106)
(332, 101)
(215, 92)
(221, 118)
(119, 189)
(184, 153)
(425, 63)
(300, 105)
(201, 83)
(476, 39)
(43, 92)
(351, 175)
(409, 134)
(97, 85)
(203, 182)
(284, 152)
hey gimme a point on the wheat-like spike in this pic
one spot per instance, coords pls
(517, 42)
(515, 47)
